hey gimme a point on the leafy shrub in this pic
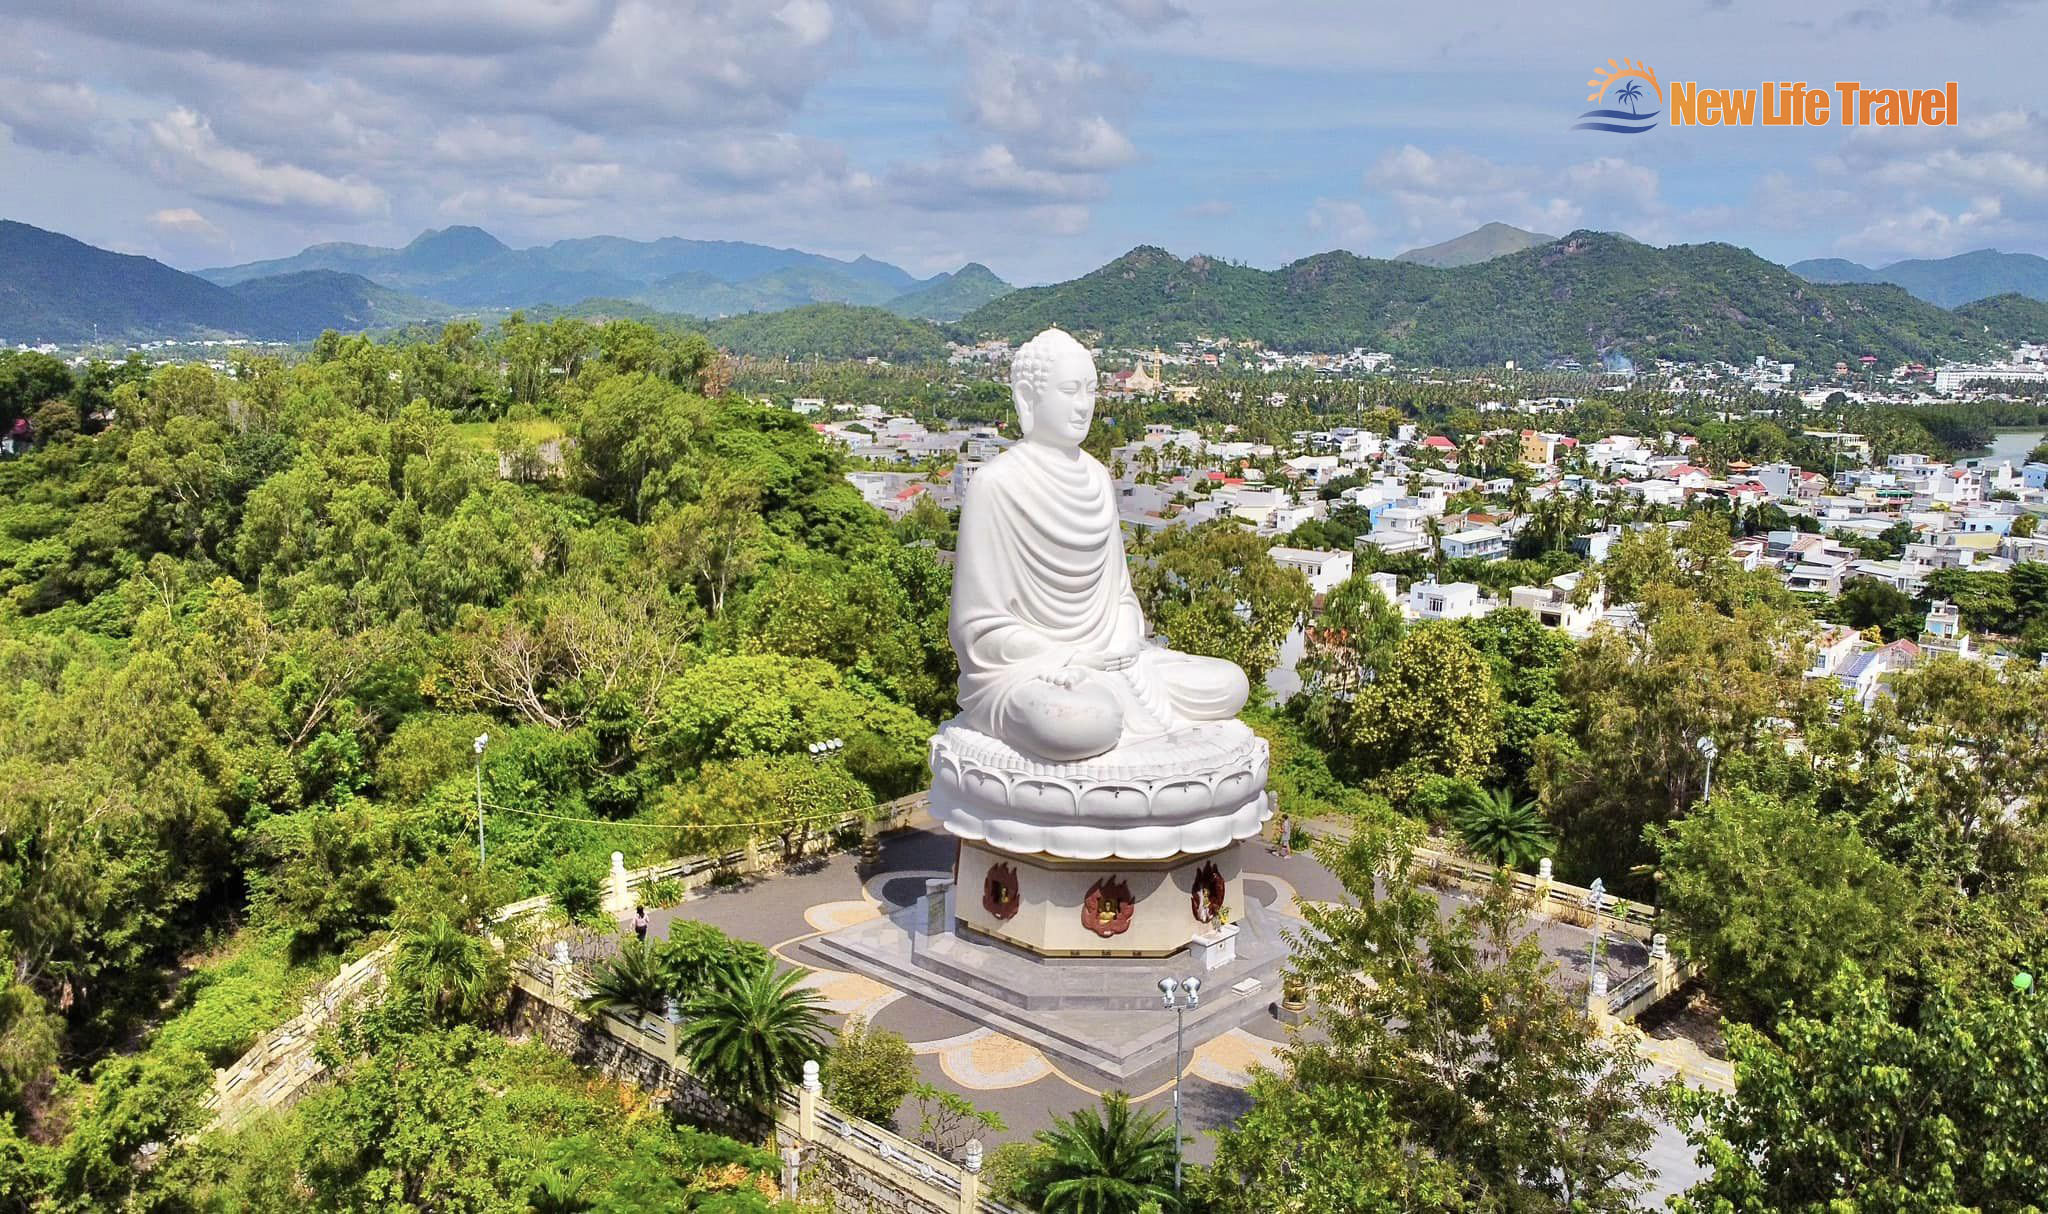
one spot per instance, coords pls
(697, 957)
(1007, 1171)
(1437, 798)
(579, 891)
(869, 1071)
(666, 892)
(232, 1001)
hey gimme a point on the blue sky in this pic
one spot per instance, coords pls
(1042, 137)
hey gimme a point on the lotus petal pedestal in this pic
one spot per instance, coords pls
(1131, 853)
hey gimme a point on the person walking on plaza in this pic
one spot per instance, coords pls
(640, 924)
(1286, 837)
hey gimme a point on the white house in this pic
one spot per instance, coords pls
(1833, 646)
(1457, 601)
(1476, 543)
(1325, 568)
(1552, 605)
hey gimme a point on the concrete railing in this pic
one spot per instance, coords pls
(807, 1125)
(1640, 991)
(1554, 899)
(274, 1072)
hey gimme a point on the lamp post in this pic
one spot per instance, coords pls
(1708, 750)
(819, 752)
(481, 739)
(1180, 995)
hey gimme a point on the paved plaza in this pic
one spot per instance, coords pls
(789, 911)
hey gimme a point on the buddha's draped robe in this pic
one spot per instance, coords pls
(1040, 578)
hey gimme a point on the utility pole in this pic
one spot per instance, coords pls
(481, 739)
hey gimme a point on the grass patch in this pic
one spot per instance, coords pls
(483, 436)
(237, 993)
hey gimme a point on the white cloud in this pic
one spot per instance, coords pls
(188, 223)
(182, 147)
(1346, 223)
(54, 115)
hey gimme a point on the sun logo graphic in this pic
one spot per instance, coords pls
(1627, 79)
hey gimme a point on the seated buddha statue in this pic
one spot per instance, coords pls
(1054, 657)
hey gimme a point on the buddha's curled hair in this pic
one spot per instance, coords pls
(1034, 360)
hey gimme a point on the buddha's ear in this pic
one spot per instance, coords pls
(1024, 415)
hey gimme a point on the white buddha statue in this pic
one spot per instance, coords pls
(1054, 659)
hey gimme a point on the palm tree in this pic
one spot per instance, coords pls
(1433, 528)
(557, 1192)
(634, 980)
(1107, 1161)
(749, 1039)
(450, 969)
(1501, 830)
(1629, 92)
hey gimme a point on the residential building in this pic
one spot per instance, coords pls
(1457, 601)
(1477, 544)
(1552, 605)
(1325, 568)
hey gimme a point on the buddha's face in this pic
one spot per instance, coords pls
(1064, 405)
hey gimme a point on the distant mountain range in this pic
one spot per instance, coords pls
(1483, 243)
(468, 267)
(54, 288)
(1589, 296)
(57, 289)
(1586, 296)
(1948, 281)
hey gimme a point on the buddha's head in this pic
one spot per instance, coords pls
(1052, 380)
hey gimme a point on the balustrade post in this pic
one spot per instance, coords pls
(807, 1103)
(970, 1178)
(1596, 1001)
(622, 886)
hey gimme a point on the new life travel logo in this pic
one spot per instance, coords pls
(1628, 107)
(1627, 80)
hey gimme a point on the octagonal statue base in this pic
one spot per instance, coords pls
(1092, 908)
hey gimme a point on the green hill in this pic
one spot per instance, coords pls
(1833, 269)
(1586, 295)
(1483, 243)
(297, 307)
(468, 267)
(952, 296)
(54, 288)
(2010, 317)
(829, 331)
(1947, 281)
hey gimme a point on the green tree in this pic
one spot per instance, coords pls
(633, 980)
(749, 1040)
(1324, 1148)
(1645, 699)
(1214, 590)
(1868, 603)
(869, 1071)
(1357, 631)
(1858, 1105)
(1487, 1063)
(1501, 830)
(1773, 899)
(1110, 1160)
(1526, 659)
(454, 974)
(1430, 709)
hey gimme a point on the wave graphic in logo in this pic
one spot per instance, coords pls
(1632, 120)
